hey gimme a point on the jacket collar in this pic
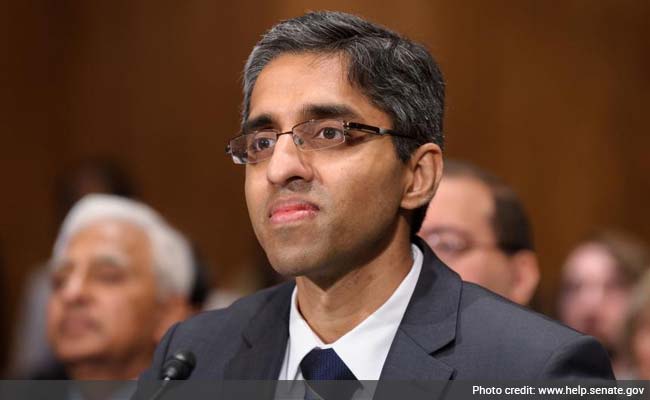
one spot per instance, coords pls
(427, 326)
(265, 340)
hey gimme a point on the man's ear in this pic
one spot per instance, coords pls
(171, 310)
(423, 176)
(525, 276)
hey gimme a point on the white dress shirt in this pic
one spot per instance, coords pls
(363, 349)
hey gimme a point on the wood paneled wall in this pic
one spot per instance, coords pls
(552, 96)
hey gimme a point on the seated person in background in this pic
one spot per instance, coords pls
(31, 356)
(636, 341)
(597, 280)
(477, 225)
(121, 276)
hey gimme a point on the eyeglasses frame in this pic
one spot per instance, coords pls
(347, 126)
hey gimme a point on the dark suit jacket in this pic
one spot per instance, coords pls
(451, 330)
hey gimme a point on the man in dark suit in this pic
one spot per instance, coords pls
(342, 138)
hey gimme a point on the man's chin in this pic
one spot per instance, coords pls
(320, 273)
(292, 257)
(290, 270)
(293, 265)
(79, 352)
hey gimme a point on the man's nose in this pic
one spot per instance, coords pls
(75, 289)
(594, 297)
(288, 163)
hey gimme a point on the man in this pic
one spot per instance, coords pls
(477, 225)
(121, 276)
(341, 137)
(31, 355)
(598, 279)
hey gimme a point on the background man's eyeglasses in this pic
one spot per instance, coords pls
(451, 243)
(316, 134)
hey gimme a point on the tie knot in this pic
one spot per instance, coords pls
(325, 365)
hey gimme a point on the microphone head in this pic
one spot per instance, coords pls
(179, 366)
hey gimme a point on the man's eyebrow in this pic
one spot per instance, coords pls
(325, 111)
(59, 263)
(309, 111)
(257, 123)
(109, 259)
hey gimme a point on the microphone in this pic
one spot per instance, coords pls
(179, 366)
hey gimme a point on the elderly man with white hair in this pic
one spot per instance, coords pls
(121, 276)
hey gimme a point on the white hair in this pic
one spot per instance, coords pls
(171, 253)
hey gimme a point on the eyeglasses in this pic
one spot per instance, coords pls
(315, 134)
(450, 244)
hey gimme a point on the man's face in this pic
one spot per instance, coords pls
(103, 305)
(316, 212)
(594, 298)
(458, 228)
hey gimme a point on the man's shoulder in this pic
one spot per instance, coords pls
(237, 315)
(497, 336)
(229, 323)
(479, 306)
(216, 336)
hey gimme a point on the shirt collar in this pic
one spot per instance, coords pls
(363, 349)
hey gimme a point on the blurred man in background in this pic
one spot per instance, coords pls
(31, 355)
(477, 225)
(121, 276)
(597, 281)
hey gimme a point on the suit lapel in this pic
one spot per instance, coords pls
(411, 373)
(265, 341)
(428, 325)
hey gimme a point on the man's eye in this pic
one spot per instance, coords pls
(451, 246)
(261, 144)
(110, 277)
(329, 133)
(571, 288)
(448, 247)
(108, 274)
(57, 281)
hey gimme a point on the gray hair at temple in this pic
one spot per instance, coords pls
(171, 252)
(399, 77)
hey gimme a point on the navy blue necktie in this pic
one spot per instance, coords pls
(326, 365)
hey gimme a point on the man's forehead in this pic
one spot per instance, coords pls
(466, 194)
(106, 238)
(303, 86)
(590, 260)
(97, 256)
(110, 229)
(300, 65)
(461, 203)
(335, 61)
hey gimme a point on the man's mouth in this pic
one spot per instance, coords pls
(77, 326)
(292, 211)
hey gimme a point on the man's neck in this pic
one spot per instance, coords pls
(333, 311)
